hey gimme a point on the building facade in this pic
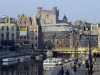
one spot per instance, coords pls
(8, 32)
(25, 33)
(29, 32)
(94, 29)
(56, 35)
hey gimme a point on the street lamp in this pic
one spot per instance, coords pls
(77, 52)
(53, 36)
(90, 57)
(75, 44)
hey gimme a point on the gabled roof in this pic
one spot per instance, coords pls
(12, 20)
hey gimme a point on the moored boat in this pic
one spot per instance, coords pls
(11, 59)
(52, 62)
(24, 58)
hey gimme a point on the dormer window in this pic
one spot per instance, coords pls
(7, 20)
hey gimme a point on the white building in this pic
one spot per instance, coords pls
(8, 29)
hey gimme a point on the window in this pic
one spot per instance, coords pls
(57, 41)
(21, 37)
(50, 61)
(27, 36)
(46, 61)
(2, 36)
(35, 31)
(27, 28)
(24, 22)
(35, 38)
(17, 28)
(2, 28)
(7, 36)
(66, 41)
(20, 22)
(7, 20)
(17, 37)
(12, 36)
(12, 28)
(24, 37)
(26, 42)
(54, 61)
(7, 28)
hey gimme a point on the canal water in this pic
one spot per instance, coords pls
(31, 67)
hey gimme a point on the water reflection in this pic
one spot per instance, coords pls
(31, 67)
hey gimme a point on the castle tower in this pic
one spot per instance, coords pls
(65, 19)
(48, 16)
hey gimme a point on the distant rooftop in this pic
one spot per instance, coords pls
(5, 18)
(56, 27)
(57, 24)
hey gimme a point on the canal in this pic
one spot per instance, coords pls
(31, 67)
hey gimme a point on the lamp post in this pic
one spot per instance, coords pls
(75, 44)
(90, 58)
(77, 52)
(53, 37)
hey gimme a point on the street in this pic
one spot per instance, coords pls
(96, 67)
(80, 71)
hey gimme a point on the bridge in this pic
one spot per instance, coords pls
(70, 50)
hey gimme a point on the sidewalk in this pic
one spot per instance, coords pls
(56, 70)
(96, 67)
(80, 71)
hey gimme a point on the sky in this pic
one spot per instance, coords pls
(88, 10)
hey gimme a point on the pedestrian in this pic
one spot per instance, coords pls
(93, 60)
(61, 72)
(87, 65)
(71, 65)
(91, 66)
(74, 68)
(67, 73)
(79, 64)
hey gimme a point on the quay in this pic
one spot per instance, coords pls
(80, 71)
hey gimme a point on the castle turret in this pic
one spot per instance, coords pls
(54, 10)
(39, 10)
(65, 19)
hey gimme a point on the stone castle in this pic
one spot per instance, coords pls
(50, 16)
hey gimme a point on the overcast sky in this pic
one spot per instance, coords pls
(88, 10)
